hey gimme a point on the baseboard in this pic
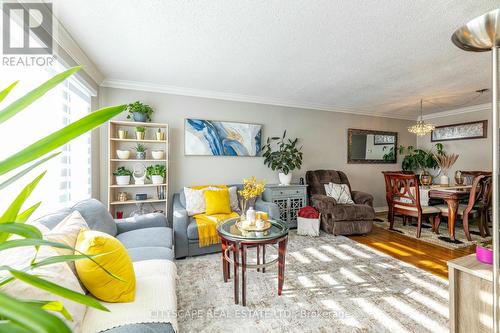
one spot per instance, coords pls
(381, 209)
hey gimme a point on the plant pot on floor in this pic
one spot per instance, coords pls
(285, 179)
(122, 180)
(139, 116)
(157, 180)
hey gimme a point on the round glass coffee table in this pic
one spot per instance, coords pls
(236, 241)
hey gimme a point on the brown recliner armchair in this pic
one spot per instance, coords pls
(340, 219)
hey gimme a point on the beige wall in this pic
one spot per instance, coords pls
(474, 154)
(322, 134)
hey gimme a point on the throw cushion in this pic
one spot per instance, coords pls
(340, 192)
(233, 199)
(59, 273)
(217, 201)
(66, 232)
(116, 260)
(195, 200)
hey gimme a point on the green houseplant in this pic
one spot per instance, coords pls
(286, 158)
(20, 315)
(139, 112)
(122, 176)
(156, 173)
(140, 132)
(421, 160)
(140, 151)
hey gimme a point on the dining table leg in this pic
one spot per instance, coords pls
(452, 216)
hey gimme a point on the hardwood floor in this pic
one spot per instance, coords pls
(429, 257)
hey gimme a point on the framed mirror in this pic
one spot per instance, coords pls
(371, 147)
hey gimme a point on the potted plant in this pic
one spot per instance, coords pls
(122, 176)
(139, 112)
(156, 173)
(285, 159)
(160, 136)
(140, 151)
(421, 160)
(122, 134)
(140, 132)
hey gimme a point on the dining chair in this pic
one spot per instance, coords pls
(478, 204)
(405, 200)
(388, 196)
(470, 175)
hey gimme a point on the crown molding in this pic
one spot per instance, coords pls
(467, 109)
(174, 90)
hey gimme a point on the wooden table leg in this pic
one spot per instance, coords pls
(263, 257)
(452, 216)
(258, 257)
(235, 267)
(281, 265)
(224, 262)
(243, 275)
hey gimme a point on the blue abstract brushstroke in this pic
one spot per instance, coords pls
(218, 138)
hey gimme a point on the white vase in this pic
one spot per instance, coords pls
(444, 180)
(157, 179)
(250, 215)
(122, 180)
(285, 179)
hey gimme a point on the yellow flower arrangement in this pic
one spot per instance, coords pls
(252, 188)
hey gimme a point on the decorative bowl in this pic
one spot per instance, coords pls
(158, 154)
(484, 255)
(123, 154)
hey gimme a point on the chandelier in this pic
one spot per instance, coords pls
(421, 128)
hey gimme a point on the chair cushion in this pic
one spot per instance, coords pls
(147, 237)
(460, 210)
(150, 252)
(425, 209)
(352, 213)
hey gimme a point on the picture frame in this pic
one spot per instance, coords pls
(461, 131)
(383, 139)
(204, 137)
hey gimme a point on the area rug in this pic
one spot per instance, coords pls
(441, 239)
(332, 284)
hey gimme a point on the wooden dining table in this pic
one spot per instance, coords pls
(452, 196)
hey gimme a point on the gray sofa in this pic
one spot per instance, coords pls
(186, 229)
(145, 237)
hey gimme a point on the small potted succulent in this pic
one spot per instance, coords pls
(140, 151)
(156, 173)
(139, 112)
(140, 132)
(160, 136)
(122, 134)
(122, 176)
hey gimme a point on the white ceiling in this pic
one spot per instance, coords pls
(377, 57)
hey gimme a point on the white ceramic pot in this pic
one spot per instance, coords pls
(122, 180)
(285, 179)
(158, 154)
(444, 180)
(157, 179)
(123, 154)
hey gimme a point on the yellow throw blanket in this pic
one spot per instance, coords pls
(207, 227)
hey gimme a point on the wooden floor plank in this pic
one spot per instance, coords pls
(426, 256)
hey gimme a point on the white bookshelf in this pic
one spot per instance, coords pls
(114, 143)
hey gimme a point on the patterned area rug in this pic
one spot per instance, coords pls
(332, 284)
(441, 239)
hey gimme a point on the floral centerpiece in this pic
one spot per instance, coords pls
(445, 162)
(252, 188)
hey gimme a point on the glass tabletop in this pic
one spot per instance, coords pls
(228, 229)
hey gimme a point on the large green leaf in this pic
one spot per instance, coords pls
(25, 215)
(59, 138)
(32, 318)
(23, 230)
(35, 94)
(10, 214)
(54, 306)
(55, 289)
(64, 258)
(7, 90)
(25, 171)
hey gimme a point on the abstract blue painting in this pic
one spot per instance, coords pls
(221, 138)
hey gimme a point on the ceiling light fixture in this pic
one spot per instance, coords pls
(421, 128)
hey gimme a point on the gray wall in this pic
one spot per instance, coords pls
(322, 134)
(474, 154)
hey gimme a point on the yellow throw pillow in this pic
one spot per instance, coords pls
(117, 261)
(217, 202)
